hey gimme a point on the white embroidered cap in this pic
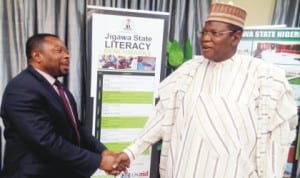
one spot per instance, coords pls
(227, 12)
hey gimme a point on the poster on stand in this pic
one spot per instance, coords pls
(281, 47)
(127, 64)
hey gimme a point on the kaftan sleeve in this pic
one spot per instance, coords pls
(152, 132)
(280, 136)
(281, 112)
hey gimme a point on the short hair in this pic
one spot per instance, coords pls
(35, 41)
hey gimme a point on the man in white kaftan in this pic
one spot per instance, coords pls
(226, 119)
(221, 115)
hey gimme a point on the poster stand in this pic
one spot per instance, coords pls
(127, 51)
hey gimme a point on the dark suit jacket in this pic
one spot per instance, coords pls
(40, 138)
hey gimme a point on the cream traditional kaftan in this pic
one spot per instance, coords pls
(221, 120)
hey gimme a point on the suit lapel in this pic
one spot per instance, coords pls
(53, 95)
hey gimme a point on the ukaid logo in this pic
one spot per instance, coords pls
(135, 174)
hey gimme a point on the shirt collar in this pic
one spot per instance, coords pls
(48, 77)
(225, 62)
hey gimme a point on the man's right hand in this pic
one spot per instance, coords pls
(122, 162)
(108, 160)
(114, 163)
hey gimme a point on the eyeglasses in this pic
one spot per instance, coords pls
(213, 34)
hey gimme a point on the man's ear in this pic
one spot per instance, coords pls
(237, 36)
(36, 56)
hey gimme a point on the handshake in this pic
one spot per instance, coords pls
(114, 163)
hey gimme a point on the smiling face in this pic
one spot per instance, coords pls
(51, 57)
(219, 40)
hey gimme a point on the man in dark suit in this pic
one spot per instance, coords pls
(44, 138)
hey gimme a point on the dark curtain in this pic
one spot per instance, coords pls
(287, 12)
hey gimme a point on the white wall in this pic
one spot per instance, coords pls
(259, 12)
